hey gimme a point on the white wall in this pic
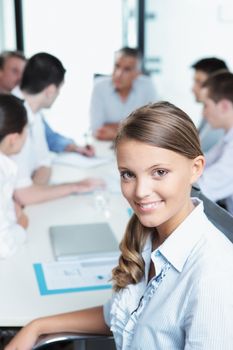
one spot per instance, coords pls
(183, 32)
(83, 35)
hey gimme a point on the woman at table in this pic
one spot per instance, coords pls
(173, 286)
(13, 120)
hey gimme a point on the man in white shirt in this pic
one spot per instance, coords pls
(203, 69)
(114, 98)
(41, 82)
(217, 180)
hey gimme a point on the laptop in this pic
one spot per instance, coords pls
(80, 241)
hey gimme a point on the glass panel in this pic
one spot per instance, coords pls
(7, 25)
(130, 23)
(84, 36)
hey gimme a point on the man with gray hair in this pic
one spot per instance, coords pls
(113, 98)
(12, 64)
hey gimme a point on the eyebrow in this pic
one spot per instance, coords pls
(161, 165)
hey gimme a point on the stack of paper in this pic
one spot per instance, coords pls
(74, 276)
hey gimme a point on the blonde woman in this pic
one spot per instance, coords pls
(173, 286)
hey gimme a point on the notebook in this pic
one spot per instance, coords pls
(81, 241)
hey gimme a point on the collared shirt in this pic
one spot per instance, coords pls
(208, 135)
(217, 180)
(107, 106)
(188, 304)
(56, 142)
(11, 234)
(35, 153)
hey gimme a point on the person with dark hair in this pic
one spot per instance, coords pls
(202, 70)
(164, 286)
(42, 80)
(113, 98)
(12, 64)
(13, 120)
(217, 180)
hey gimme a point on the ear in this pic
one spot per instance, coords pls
(50, 90)
(225, 105)
(12, 138)
(197, 168)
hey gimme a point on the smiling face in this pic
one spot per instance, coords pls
(157, 183)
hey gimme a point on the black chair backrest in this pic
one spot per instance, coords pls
(221, 218)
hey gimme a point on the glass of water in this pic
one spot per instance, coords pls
(102, 201)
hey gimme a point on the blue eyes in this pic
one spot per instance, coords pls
(156, 174)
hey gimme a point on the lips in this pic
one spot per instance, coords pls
(149, 206)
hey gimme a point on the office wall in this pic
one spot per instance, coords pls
(179, 33)
(84, 35)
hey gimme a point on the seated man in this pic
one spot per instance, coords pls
(202, 71)
(113, 98)
(41, 82)
(12, 64)
(217, 180)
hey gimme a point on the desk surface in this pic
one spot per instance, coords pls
(20, 300)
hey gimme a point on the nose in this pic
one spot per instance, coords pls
(143, 188)
(118, 72)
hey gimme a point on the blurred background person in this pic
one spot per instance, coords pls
(114, 97)
(12, 64)
(204, 68)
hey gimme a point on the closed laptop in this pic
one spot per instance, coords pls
(89, 240)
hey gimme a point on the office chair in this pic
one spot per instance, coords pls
(79, 341)
(222, 219)
(219, 217)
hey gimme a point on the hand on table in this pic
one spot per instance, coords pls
(107, 132)
(22, 218)
(87, 150)
(88, 185)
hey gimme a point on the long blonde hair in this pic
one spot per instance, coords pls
(161, 125)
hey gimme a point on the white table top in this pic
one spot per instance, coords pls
(20, 300)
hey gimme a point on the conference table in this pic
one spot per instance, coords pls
(20, 298)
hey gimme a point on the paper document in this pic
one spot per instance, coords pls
(75, 276)
(77, 160)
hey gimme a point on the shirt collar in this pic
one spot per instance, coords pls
(18, 93)
(30, 114)
(178, 246)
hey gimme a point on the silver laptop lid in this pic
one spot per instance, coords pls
(83, 240)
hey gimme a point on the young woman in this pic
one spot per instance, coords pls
(13, 120)
(173, 285)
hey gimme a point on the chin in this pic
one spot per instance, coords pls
(147, 221)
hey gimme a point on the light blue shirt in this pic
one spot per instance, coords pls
(217, 180)
(209, 136)
(107, 106)
(56, 142)
(188, 304)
